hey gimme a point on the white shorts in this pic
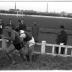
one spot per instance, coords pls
(31, 42)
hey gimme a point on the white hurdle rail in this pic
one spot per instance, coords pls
(43, 47)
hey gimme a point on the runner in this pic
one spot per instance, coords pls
(14, 37)
(29, 40)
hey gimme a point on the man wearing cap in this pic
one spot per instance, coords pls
(61, 39)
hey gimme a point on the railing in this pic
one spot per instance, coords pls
(43, 48)
(34, 16)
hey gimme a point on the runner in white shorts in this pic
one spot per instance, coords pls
(29, 41)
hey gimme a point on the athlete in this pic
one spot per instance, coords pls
(29, 41)
(14, 37)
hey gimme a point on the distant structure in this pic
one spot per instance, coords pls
(15, 5)
(15, 9)
(47, 7)
(64, 13)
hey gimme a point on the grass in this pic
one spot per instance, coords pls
(41, 21)
(41, 62)
(48, 25)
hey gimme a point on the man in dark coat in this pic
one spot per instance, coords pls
(35, 31)
(61, 38)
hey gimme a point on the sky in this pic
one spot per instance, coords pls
(38, 6)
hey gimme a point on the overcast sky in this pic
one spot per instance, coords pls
(38, 6)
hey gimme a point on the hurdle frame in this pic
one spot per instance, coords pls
(43, 45)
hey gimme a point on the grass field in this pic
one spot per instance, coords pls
(46, 24)
(42, 62)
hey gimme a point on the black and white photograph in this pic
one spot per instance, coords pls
(35, 35)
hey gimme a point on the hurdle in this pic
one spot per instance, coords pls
(43, 49)
(43, 45)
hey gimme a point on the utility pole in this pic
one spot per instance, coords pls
(15, 5)
(16, 9)
(47, 7)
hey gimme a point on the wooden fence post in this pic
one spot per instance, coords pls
(66, 51)
(43, 47)
(53, 48)
(59, 50)
(71, 52)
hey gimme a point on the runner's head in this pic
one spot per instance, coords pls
(22, 34)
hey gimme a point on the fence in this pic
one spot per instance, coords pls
(43, 48)
(17, 15)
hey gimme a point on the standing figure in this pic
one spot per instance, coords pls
(35, 31)
(21, 26)
(61, 39)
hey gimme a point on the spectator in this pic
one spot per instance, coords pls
(21, 26)
(61, 38)
(35, 31)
